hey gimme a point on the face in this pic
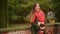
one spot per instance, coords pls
(37, 8)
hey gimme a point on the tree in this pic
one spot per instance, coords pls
(22, 8)
(3, 14)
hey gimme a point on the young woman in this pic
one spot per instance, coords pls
(36, 12)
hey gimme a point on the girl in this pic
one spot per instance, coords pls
(39, 14)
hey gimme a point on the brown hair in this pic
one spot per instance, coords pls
(33, 8)
(32, 11)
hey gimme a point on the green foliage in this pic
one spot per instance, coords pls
(57, 9)
(22, 8)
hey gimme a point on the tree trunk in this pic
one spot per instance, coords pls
(3, 13)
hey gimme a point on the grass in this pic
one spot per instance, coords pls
(14, 27)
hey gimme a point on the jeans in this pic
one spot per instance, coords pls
(34, 29)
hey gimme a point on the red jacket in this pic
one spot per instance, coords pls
(40, 16)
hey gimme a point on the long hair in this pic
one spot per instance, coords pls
(33, 8)
(32, 12)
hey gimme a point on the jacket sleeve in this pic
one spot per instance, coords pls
(42, 17)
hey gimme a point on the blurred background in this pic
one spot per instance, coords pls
(16, 12)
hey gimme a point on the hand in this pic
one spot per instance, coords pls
(40, 23)
(42, 28)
